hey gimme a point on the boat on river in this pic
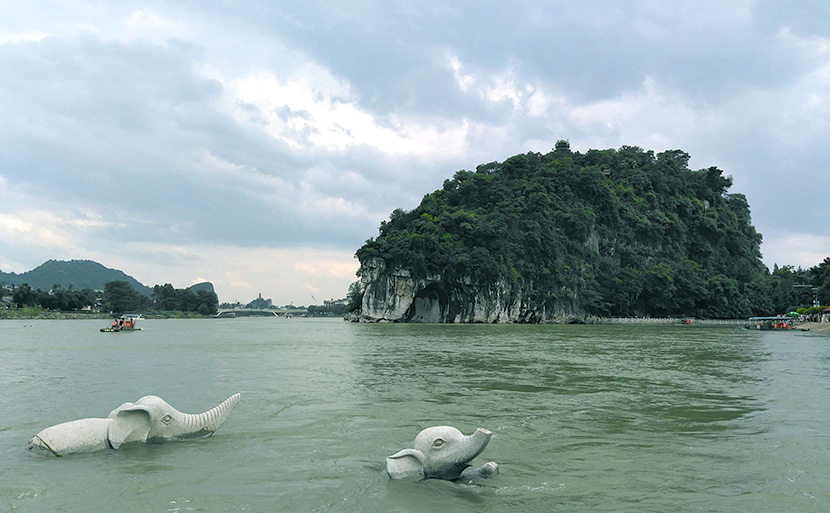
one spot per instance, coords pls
(123, 323)
(772, 324)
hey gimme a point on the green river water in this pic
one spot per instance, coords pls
(584, 418)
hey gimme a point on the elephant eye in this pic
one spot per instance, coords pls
(167, 418)
(438, 442)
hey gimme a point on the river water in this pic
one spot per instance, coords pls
(584, 418)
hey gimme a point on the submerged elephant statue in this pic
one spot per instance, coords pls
(149, 420)
(442, 452)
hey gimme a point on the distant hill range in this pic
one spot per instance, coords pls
(80, 274)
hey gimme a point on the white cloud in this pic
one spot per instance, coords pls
(311, 110)
(795, 248)
(13, 226)
(464, 80)
(503, 88)
(48, 231)
(222, 175)
(813, 46)
(300, 111)
(541, 103)
(151, 24)
(14, 38)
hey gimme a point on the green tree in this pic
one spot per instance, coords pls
(168, 298)
(24, 295)
(820, 275)
(120, 297)
(659, 290)
(207, 303)
(164, 297)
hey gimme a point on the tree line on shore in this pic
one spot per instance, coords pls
(118, 297)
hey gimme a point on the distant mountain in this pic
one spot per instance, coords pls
(81, 274)
(205, 285)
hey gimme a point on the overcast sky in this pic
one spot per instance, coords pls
(258, 147)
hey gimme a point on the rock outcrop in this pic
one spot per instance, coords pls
(560, 236)
(394, 295)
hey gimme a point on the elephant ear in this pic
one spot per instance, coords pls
(129, 425)
(124, 406)
(406, 464)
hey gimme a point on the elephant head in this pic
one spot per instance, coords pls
(149, 420)
(441, 452)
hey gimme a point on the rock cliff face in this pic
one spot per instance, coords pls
(393, 295)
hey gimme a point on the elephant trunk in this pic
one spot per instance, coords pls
(474, 445)
(204, 424)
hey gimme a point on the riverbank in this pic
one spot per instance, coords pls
(817, 327)
(37, 313)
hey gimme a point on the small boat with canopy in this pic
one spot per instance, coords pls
(124, 322)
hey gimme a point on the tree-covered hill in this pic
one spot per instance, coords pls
(72, 285)
(622, 232)
(78, 274)
(85, 274)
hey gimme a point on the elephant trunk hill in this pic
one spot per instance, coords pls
(567, 237)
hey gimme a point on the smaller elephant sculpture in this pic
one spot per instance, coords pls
(148, 420)
(443, 452)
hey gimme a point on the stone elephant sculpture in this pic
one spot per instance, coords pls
(443, 452)
(148, 420)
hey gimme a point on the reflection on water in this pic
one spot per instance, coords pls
(585, 418)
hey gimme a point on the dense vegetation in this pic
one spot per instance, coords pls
(616, 232)
(57, 298)
(119, 297)
(199, 300)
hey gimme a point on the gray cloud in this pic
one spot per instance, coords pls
(212, 130)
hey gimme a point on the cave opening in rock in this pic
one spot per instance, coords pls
(429, 305)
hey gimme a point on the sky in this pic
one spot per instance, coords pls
(258, 145)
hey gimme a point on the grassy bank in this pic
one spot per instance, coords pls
(40, 313)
